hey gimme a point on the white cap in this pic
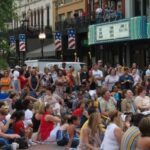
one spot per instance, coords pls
(17, 67)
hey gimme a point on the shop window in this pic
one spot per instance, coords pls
(67, 1)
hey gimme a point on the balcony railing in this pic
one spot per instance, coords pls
(31, 31)
(81, 23)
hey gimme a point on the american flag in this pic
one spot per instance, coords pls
(58, 41)
(12, 40)
(22, 42)
(71, 39)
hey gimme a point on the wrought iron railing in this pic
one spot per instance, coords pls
(82, 23)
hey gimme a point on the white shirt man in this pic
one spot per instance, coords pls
(98, 75)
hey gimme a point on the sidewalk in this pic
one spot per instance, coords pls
(46, 147)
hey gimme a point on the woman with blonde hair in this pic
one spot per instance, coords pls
(90, 138)
(38, 111)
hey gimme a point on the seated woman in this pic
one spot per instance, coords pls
(47, 124)
(114, 133)
(5, 137)
(73, 138)
(62, 136)
(144, 141)
(90, 137)
(19, 127)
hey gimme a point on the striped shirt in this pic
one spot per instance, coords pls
(130, 138)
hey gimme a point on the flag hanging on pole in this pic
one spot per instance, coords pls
(12, 41)
(71, 39)
(22, 42)
(58, 41)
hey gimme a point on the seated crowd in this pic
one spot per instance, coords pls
(103, 108)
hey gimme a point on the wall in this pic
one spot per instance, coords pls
(69, 7)
(34, 5)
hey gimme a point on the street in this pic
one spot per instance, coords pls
(46, 147)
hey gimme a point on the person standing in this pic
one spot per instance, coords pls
(97, 75)
(16, 83)
(33, 83)
(126, 80)
(5, 82)
(111, 79)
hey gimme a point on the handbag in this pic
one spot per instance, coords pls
(23, 144)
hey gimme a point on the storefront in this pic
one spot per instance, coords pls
(122, 42)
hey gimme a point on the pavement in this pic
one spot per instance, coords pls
(46, 147)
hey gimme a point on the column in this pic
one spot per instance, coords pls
(129, 8)
(142, 8)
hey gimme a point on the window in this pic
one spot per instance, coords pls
(142, 7)
(48, 15)
(62, 17)
(69, 14)
(67, 1)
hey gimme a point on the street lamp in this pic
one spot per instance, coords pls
(42, 37)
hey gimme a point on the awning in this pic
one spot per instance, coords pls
(48, 51)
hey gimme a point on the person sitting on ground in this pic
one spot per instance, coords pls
(91, 135)
(47, 124)
(142, 101)
(144, 140)
(62, 136)
(107, 103)
(5, 138)
(19, 127)
(113, 134)
(73, 138)
(128, 104)
(131, 136)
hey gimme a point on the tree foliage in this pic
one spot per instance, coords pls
(7, 8)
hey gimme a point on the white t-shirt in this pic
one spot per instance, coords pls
(148, 72)
(16, 75)
(97, 74)
(110, 81)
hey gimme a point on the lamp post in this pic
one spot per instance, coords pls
(42, 37)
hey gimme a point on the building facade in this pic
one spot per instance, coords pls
(126, 51)
(32, 18)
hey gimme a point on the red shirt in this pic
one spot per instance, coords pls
(45, 128)
(77, 112)
(23, 81)
(18, 126)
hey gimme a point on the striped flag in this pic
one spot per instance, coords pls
(58, 41)
(12, 40)
(71, 39)
(22, 42)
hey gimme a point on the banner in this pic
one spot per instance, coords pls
(58, 41)
(12, 41)
(71, 39)
(22, 42)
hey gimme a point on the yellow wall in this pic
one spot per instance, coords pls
(69, 7)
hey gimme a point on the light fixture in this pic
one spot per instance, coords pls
(42, 36)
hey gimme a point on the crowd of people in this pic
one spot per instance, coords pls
(98, 108)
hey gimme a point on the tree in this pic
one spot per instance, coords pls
(7, 8)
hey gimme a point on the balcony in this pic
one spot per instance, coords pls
(81, 23)
(30, 31)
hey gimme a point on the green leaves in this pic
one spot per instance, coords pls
(6, 12)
